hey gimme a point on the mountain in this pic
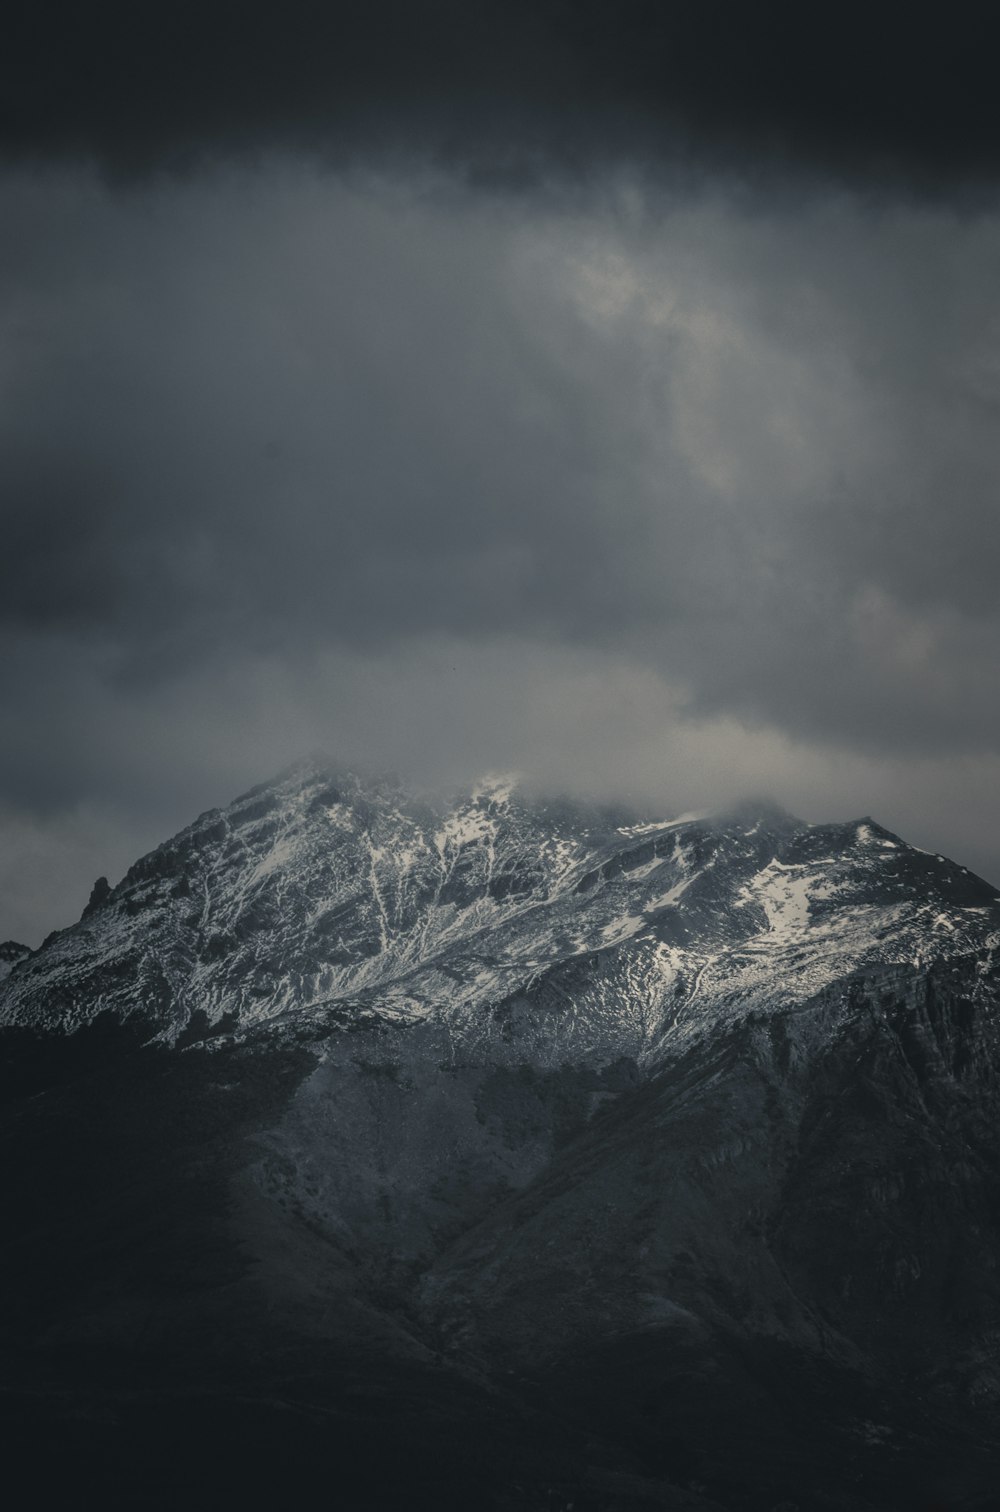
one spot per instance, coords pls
(508, 1153)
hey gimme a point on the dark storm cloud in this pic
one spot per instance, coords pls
(311, 410)
(756, 451)
(664, 493)
(506, 89)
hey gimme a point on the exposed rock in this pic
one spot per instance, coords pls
(10, 953)
(99, 895)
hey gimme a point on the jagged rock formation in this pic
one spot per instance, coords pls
(10, 953)
(568, 1159)
(99, 894)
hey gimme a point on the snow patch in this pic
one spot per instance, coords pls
(621, 929)
(671, 896)
(783, 892)
(495, 787)
(277, 857)
(660, 824)
(341, 815)
(464, 827)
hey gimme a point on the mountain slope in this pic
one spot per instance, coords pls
(506, 1154)
(319, 894)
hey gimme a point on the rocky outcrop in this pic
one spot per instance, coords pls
(11, 952)
(99, 895)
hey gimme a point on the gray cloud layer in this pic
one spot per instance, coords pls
(664, 494)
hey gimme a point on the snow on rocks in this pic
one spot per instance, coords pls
(321, 896)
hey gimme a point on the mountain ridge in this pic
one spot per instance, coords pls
(319, 890)
(557, 1157)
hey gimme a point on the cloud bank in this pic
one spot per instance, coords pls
(362, 463)
(609, 395)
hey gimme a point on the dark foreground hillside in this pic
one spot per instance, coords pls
(814, 1248)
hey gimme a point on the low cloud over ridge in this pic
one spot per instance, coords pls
(493, 431)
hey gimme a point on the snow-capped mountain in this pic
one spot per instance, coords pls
(320, 897)
(511, 1154)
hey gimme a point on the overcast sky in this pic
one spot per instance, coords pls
(609, 392)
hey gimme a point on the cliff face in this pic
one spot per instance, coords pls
(10, 953)
(505, 1153)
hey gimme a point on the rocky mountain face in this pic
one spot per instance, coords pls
(10, 953)
(507, 1153)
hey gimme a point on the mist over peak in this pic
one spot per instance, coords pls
(605, 396)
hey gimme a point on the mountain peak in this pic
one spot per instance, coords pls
(495, 787)
(322, 894)
(762, 811)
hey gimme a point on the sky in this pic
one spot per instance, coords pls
(604, 392)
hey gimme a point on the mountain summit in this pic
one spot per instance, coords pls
(510, 1153)
(321, 895)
